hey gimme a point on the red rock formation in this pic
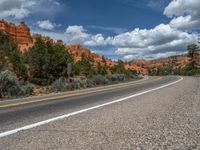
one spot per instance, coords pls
(80, 52)
(137, 68)
(19, 33)
(144, 65)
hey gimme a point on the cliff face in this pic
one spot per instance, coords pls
(80, 52)
(20, 34)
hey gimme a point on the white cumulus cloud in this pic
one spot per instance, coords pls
(16, 8)
(46, 24)
(184, 13)
(77, 34)
(163, 40)
(20, 9)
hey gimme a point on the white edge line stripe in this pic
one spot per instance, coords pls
(6, 133)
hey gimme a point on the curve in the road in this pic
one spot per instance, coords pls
(10, 132)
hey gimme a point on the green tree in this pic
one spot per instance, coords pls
(10, 56)
(48, 62)
(119, 68)
(191, 52)
(191, 49)
(101, 69)
(84, 67)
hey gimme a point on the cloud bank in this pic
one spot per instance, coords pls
(19, 9)
(16, 8)
(185, 14)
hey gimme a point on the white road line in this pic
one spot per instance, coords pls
(7, 133)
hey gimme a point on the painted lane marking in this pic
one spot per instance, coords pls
(7, 133)
(74, 94)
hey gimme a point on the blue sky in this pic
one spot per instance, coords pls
(118, 29)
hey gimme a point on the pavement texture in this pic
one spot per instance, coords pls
(168, 118)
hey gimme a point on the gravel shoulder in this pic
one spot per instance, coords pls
(165, 119)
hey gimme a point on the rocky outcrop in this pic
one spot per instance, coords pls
(80, 52)
(20, 34)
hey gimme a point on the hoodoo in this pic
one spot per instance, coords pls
(20, 34)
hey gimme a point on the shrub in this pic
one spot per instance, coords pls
(91, 84)
(60, 85)
(83, 84)
(39, 81)
(26, 89)
(75, 85)
(113, 77)
(132, 76)
(121, 77)
(10, 86)
(99, 79)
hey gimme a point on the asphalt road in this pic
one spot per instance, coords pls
(166, 118)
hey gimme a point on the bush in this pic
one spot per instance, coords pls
(121, 77)
(63, 84)
(83, 84)
(99, 79)
(75, 85)
(113, 77)
(132, 76)
(10, 86)
(26, 89)
(91, 84)
(39, 81)
(60, 85)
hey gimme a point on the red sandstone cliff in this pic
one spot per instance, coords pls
(80, 52)
(20, 34)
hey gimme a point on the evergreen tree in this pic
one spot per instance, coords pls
(84, 67)
(191, 52)
(10, 56)
(101, 69)
(191, 49)
(119, 68)
(48, 62)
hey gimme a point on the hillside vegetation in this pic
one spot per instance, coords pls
(191, 68)
(49, 67)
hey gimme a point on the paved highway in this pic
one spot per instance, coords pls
(145, 114)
